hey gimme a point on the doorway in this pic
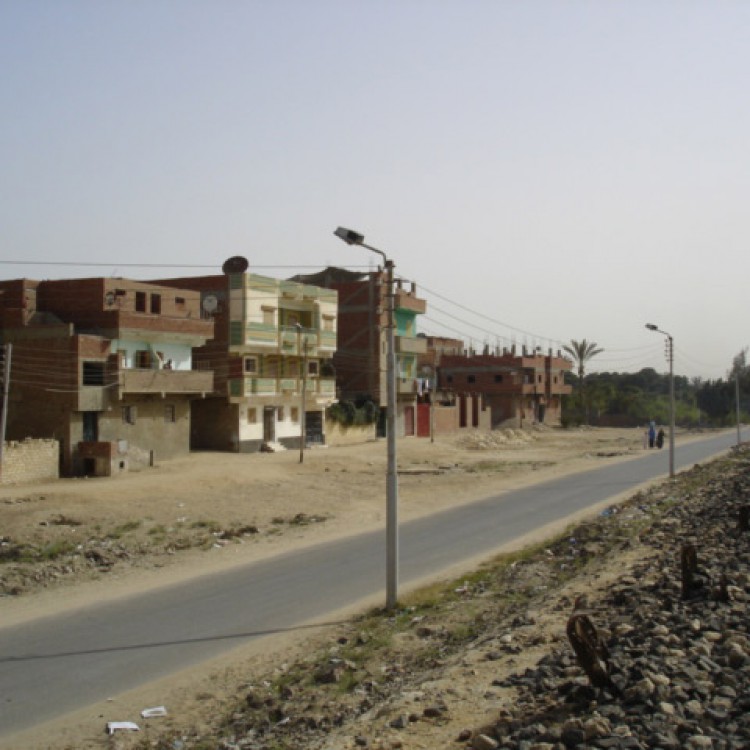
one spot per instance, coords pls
(269, 424)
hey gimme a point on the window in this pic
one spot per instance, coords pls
(93, 373)
(269, 316)
(312, 368)
(143, 359)
(129, 414)
(179, 303)
(252, 416)
(140, 301)
(295, 414)
(498, 378)
(170, 413)
(156, 304)
(471, 379)
(251, 364)
(280, 414)
(328, 322)
(449, 378)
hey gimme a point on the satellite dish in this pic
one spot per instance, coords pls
(109, 298)
(210, 303)
(235, 264)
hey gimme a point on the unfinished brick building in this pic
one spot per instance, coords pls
(360, 358)
(519, 389)
(104, 366)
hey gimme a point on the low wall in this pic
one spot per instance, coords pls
(30, 461)
(338, 435)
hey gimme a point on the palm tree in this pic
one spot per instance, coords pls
(581, 352)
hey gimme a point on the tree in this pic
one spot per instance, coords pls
(581, 352)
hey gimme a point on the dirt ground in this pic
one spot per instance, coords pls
(71, 542)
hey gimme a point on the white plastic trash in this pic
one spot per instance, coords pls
(127, 726)
(150, 713)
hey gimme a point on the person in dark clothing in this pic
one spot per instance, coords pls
(660, 438)
(651, 434)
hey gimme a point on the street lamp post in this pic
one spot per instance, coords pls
(670, 358)
(391, 573)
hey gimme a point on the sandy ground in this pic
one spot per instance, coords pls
(211, 511)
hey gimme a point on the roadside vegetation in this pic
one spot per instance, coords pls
(630, 399)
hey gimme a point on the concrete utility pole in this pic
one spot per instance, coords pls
(737, 402)
(4, 416)
(391, 575)
(303, 399)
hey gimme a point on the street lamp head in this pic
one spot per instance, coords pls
(349, 236)
(652, 327)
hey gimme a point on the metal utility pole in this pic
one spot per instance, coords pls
(392, 552)
(670, 358)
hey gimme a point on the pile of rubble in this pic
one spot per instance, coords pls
(495, 439)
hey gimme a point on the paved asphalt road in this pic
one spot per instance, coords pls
(55, 665)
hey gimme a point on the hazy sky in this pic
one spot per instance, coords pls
(544, 171)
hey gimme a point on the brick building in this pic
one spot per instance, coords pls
(519, 390)
(104, 366)
(273, 343)
(360, 358)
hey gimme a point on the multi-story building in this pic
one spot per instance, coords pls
(520, 389)
(361, 352)
(271, 356)
(104, 366)
(436, 347)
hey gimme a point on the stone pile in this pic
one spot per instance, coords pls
(680, 657)
(483, 441)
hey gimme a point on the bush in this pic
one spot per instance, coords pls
(348, 413)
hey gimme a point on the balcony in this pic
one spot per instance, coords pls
(407, 301)
(249, 387)
(286, 340)
(410, 345)
(406, 386)
(173, 382)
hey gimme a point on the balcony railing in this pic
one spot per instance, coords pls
(406, 385)
(288, 340)
(407, 301)
(165, 381)
(248, 387)
(410, 345)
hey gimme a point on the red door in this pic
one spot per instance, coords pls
(423, 420)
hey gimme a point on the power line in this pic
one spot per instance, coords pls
(118, 264)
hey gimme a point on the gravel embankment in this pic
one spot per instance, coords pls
(681, 658)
